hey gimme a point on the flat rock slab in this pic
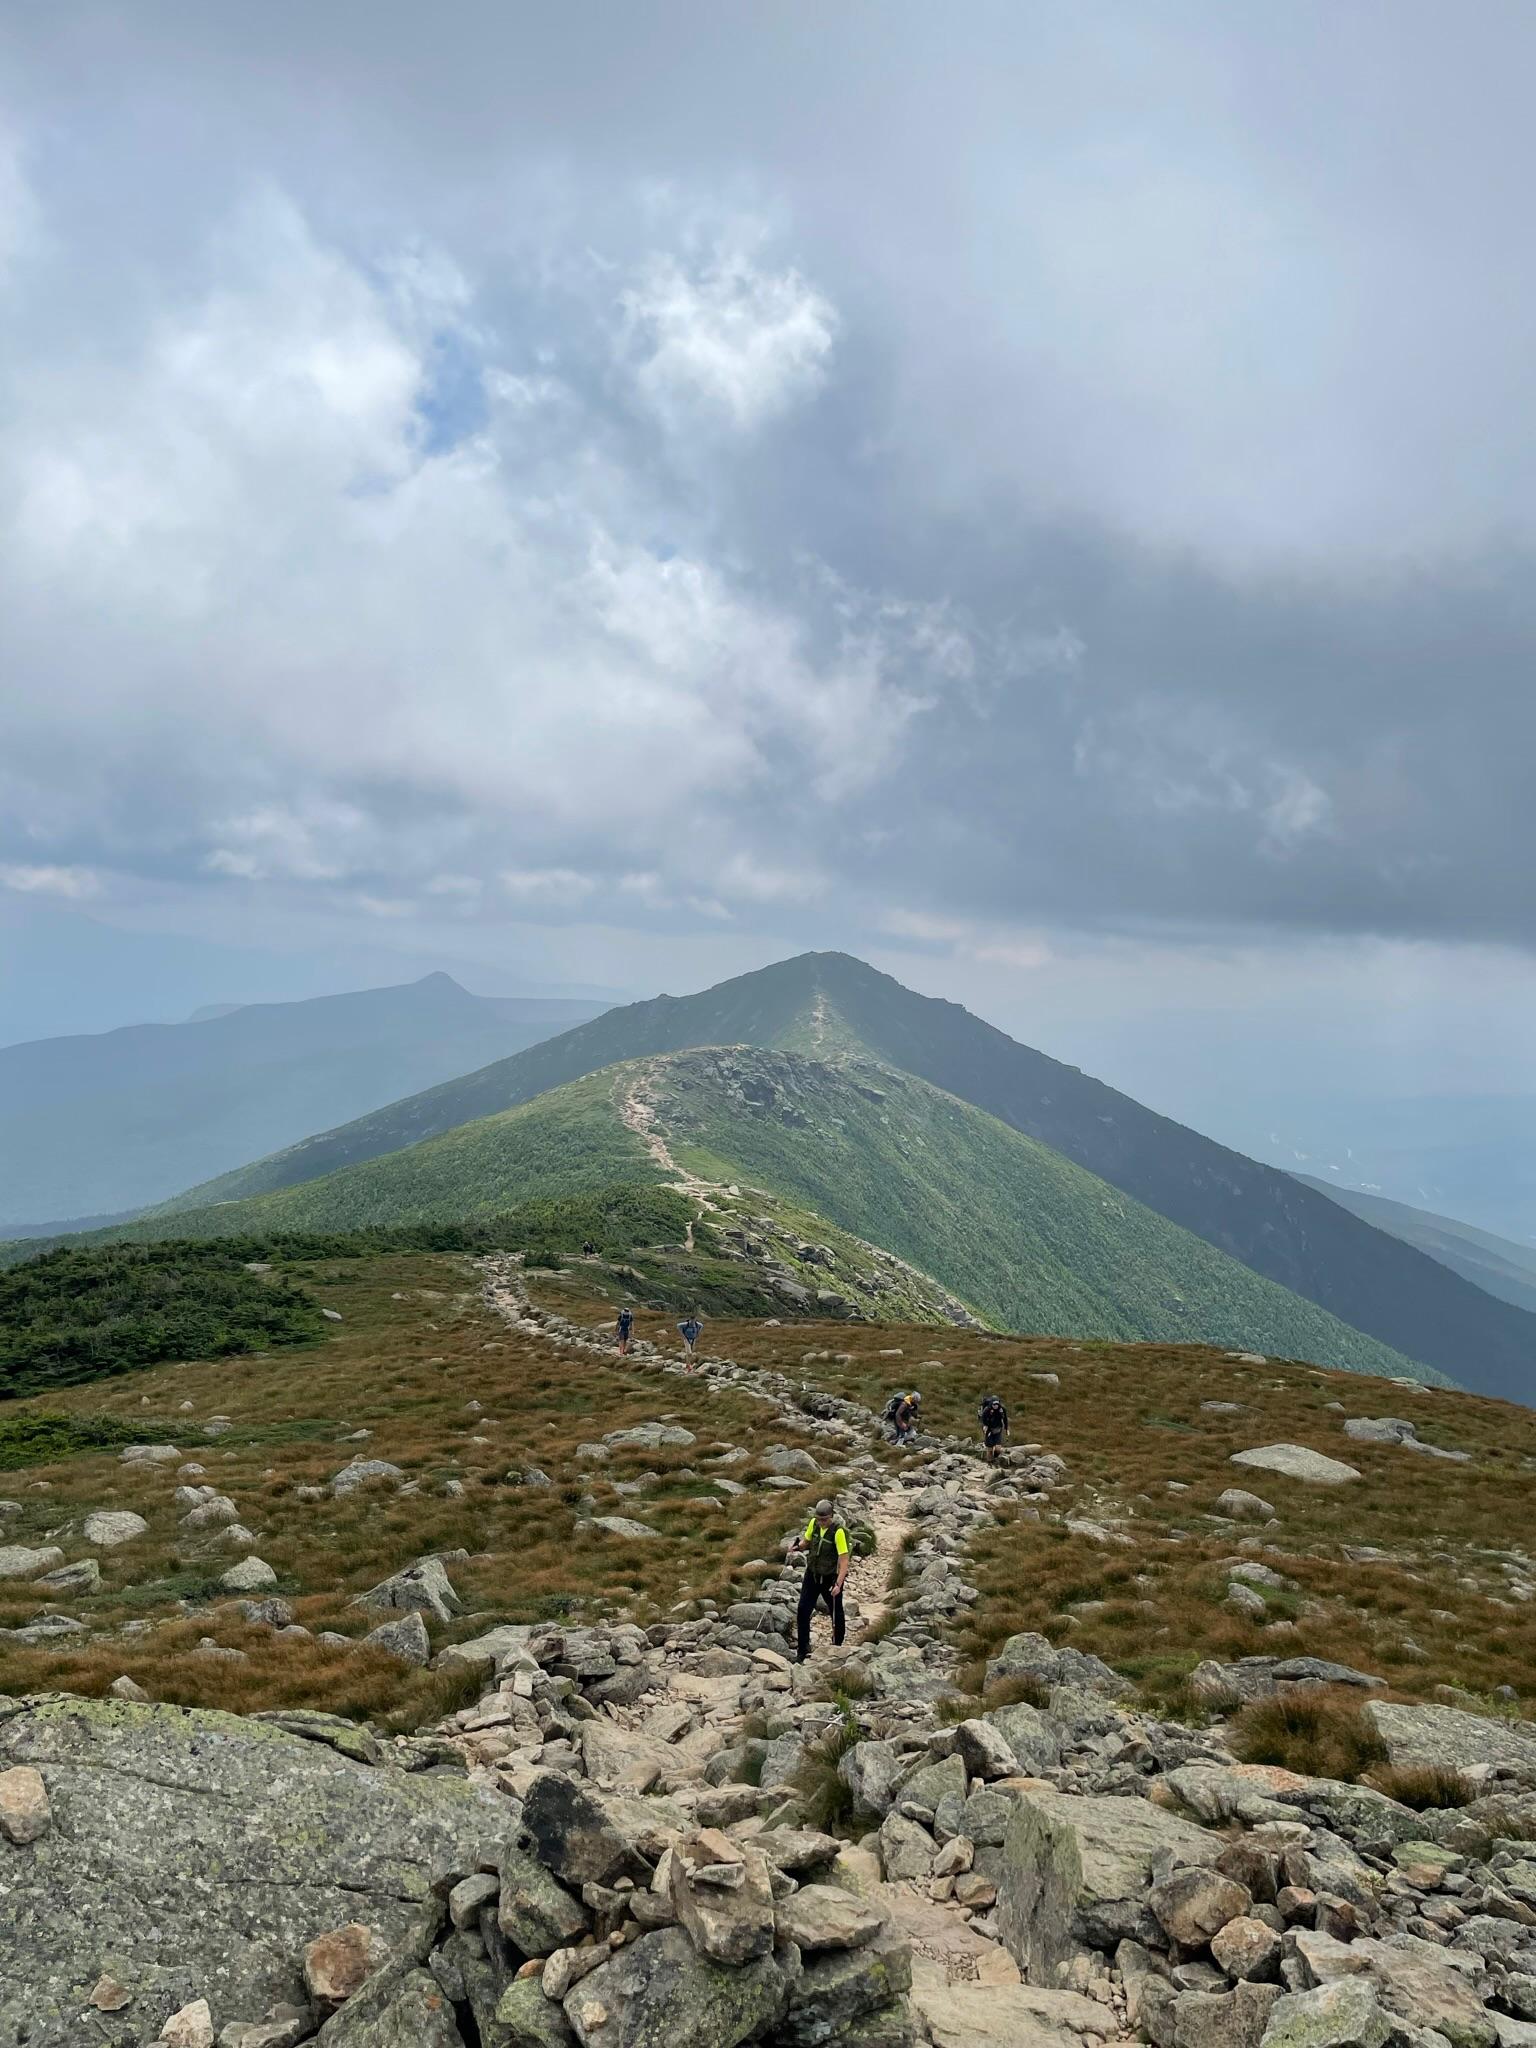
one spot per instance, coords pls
(110, 1526)
(1447, 1736)
(195, 1854)
(1076, 1870)
(1006, 2015)
(1296, 1461)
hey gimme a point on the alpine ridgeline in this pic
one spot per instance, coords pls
(827, 1005)
(843, 1184)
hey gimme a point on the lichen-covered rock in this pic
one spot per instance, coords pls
(822, 1916)
(422, 1586)
(536, 1914)
(528, 2019)
(722, 1896)
(661, 1993)
(195, 1854)
(111, 1526)
(1296, 1461)
(1077, 1870)
(1449, 1738)
(1341, 2015)
(406, 1638)
(1195, 1903)
(834, 1992)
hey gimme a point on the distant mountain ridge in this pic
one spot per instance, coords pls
(1259, 1215)
(1496, 1264)
(99, 1124)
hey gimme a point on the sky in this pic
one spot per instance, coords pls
(1039, 495)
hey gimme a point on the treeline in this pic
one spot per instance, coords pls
(84, 1314)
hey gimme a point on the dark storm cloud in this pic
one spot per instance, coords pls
(1037, 466)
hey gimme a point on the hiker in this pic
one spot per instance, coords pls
(588, 1249)
(691, 1331)
(993, 1417)
(625, 1326)
(828, 1558)
(902, 1412)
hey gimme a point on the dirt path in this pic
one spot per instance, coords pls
(638, 1113)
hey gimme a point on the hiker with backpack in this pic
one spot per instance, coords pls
(993, 1417)
(690, 1332)
(827, 1562)
(625, 1329)
(902, 1412)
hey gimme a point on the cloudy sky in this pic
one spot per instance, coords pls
(1041, 495)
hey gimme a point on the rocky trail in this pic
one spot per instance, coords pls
(638, 1114)
(626, 1840)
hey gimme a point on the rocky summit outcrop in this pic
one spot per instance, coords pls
(195, 1855)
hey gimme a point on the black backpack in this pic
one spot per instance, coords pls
(991, 1413)
(892, 1405)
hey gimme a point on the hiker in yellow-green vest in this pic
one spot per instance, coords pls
(825, 1544)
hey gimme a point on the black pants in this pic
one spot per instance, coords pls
(811, 1591)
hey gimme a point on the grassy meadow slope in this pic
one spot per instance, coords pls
(1021, 1236)
(1257, 1214)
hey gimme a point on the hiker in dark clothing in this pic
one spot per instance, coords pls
(626, 1324)
(993, 1417)
(905, 1414)
(828, 1558)
(691, 1331)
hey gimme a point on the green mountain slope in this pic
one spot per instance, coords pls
(95, 1125)
(1496, 1264)
(1023, 1236)
(1259, 1215)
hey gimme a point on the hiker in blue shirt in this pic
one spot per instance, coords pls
(691, 1332)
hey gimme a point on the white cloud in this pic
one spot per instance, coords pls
(547, 888)
(73, 883)
(725, 338)
(332, 646)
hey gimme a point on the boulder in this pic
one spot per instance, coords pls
(651, 1436)
(985, 1751)
(722, 1896)
(1341, 2015)
(487, 1652)
(423, 1586)
(192, 2027)
(250, 1575)
(1242, 1506)
(528, 2019)
(1416, 1981)
(1194, 1903)
(659, 1992)
(847, 1997)
(1296, 1461)
(25, 1815)
(589, 1837)
(204, 1850)
(821, 1916)
(536, 1913)
(1076, 1870)
(1033, 1736)
(405, 1638)
(1447, 1736)
(906, 1849)
(621, 1525)
(18, 1561)
(111, 1526)
(872, 1771)
(83, 1577)
(359, 1472)
(1247, 1949)
(149, 1454)
(1005, 2015)
(1030, 1655)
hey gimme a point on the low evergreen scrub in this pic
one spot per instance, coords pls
(73, 1316)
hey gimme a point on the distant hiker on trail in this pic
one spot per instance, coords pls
(691, 1331)
(828, 1558)
(625, 1327)
(903, 1413)
(993, 1417)
(588, 1249)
